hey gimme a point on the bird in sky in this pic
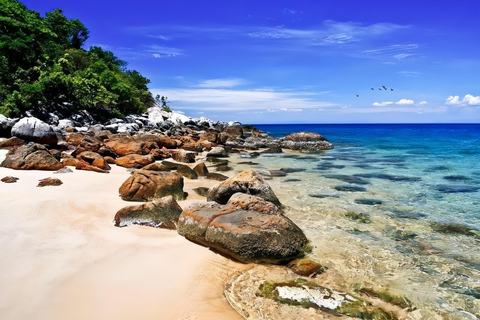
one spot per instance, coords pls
(357, 95)
(384, 87)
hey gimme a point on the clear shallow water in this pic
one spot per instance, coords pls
(378, 206)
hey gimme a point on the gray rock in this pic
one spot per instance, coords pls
(33, 129)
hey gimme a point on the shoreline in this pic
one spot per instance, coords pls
(64, 256)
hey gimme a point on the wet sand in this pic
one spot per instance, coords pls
(62, 258)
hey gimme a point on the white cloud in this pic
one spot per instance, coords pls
(422, 102)
(159, 51)
(402, 55)
(404, 101)
(285, 109)
(221, 83)
(393, 49)
(228, 99)
(159, 36)
(409, 73)
(468, 100)
(382, 104)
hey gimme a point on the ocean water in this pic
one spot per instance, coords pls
(393, 207)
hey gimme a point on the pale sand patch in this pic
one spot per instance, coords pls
(62, 258)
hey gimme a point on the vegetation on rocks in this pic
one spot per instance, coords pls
(44, 67)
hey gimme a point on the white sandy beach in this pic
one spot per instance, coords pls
(62, 258)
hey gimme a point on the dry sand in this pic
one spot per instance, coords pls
(62, 258)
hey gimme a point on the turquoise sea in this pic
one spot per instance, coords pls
(393, 207)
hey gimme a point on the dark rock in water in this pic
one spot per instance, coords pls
(291, 156)
(347, 178)
(386, 176)
(454, 228)
(307, 158)
(437, 168)
(273, 149)
(202, 191)
(408, 214)
(362, 166)
(368, 202)
(247, 228)
(351, 188)
(392, 232)
(291, 180)
(216, 176)
(321, 196)
(254, 154)
(306, 267)
(249, 182)
(292, 170)
(456, 188)
(160, 213)
(329, 166)
(358, 216)
(9, 179)
(457, 178)
(223, 168)
(187, 172)
(49, 182)
(217, 161)
(249, 163)
(277, 173)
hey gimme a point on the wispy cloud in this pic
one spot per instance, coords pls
(161, 52)
(400, 102)
(409, 73)
(159, 36)
(238, 100)
(468, 100)
(221, 83)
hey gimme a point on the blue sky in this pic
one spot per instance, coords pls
(297, 61)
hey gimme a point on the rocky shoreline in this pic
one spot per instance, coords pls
(241, 217)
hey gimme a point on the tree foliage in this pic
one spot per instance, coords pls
(44, 67)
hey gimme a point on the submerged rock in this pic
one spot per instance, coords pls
(350, 188)
(308, 142)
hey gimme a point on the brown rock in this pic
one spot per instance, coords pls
(157, 167)
(82, 165)
(249, 182)
(49, 182)
(33, 156)
(9, 179)
(94, 159)
(183, 156)
(238, 230)
(11, 142)
(160, 213)
(74, 138)
(216, 176)
(306, 267)
(140, 144)
(105, 151)
(201, 169)
(109, 160)
(144, 185)
(135, 160)
(187, 172)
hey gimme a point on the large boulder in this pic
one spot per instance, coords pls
(184, 156)
(33, 129)
(249, 182)
(145, 185)
(160, 213)
(82, 165)
(6, 125)
(94, 159)
(33, 156)
(140, 144)
(247, 228)
(305, 141)
(135, 160)
(217, 152)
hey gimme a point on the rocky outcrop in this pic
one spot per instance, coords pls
(145, 185)
(249, 182)
(140, 144)
(33, 129)
(160, 213)
(305, 141)
(33, 156)
(247, 228)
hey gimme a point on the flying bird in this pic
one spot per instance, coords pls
(372, 88)
(391, 89)
(384, 87)
(357, 95)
